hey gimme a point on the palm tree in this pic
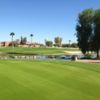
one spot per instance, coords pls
(12, 35)
(31, 35)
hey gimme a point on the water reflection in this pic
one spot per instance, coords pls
(40, 57)
(45, 57)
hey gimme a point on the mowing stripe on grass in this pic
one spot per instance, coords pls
(49, 80)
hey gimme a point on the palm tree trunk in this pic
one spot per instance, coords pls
(12, 41)
(31, 40)
(97, 54)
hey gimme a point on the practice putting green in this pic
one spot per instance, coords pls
(49, 80)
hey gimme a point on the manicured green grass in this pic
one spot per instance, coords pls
(49, 80)
(35, 50)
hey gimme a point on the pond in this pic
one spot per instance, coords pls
(40, 57)
(44, 57)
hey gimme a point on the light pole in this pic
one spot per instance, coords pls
(69, 43)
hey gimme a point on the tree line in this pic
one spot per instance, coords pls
(58, 43)
(88, 31)
(21, 41)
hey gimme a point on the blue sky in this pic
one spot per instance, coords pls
(45, 19)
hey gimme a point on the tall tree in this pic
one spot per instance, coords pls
(12, 35)
(23, 40)
(84, 29)
(58, 41)
(48, 43)
(96, 38)
(31, 35)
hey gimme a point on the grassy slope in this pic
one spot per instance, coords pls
(35, 50)
(49, 80)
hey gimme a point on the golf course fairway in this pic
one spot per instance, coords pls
(49, 80)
